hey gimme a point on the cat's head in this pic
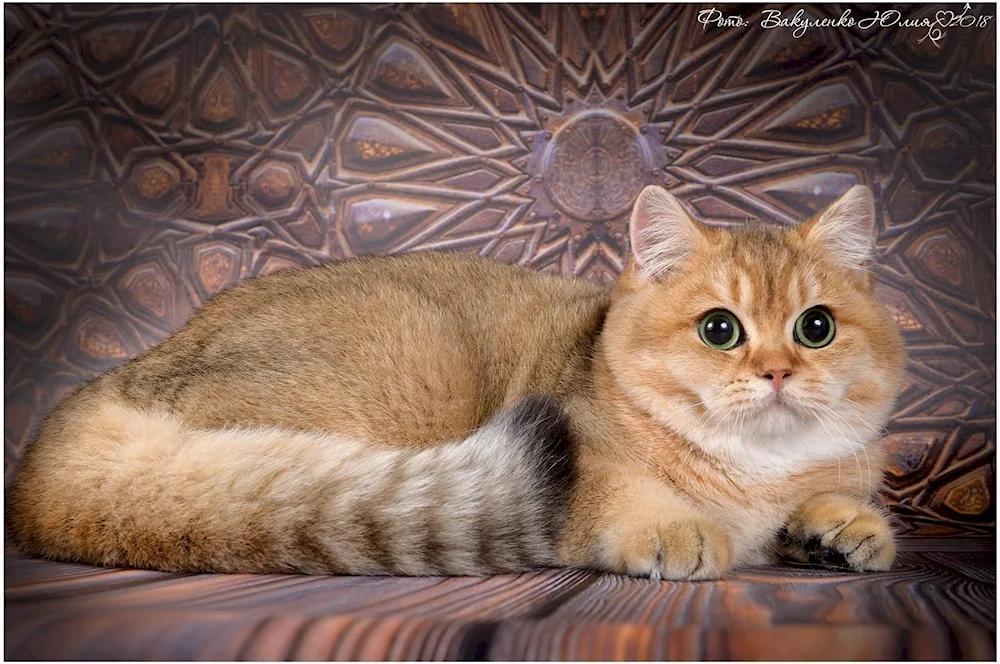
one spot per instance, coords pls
(763, 340)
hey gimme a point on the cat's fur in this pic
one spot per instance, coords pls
(375, 416)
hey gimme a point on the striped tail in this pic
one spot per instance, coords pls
(116, 486)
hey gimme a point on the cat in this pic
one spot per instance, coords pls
(720, 405)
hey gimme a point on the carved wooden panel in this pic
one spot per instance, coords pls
(156, 154)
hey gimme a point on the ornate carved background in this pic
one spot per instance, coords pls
(156, 154)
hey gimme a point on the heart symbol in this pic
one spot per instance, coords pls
(942, 13)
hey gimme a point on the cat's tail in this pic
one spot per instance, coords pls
(108, 484)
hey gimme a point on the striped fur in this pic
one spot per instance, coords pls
(161, 494)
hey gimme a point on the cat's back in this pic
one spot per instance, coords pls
(377, 292)
(417, 347)
(439, 277)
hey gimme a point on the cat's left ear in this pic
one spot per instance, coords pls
(846, 229)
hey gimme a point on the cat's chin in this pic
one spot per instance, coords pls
(786, 418)
(776, 417)
(767, 419)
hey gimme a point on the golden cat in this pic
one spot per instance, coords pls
(721, 405)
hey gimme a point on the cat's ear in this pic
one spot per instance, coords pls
(661, 232)
(846, 229)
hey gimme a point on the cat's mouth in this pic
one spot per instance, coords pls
(773, 409)
(774, 400)
(780, 403)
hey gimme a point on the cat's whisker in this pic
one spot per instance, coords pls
(856, 409)
(857, 461)
(722, 419)
(855, 403)
(827, 424)
(868, 462)
(839, 418)
(861, 485)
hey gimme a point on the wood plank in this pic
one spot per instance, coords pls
(937, 605)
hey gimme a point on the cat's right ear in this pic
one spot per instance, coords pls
(662, 234)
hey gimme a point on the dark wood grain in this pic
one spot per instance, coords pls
(933, 605)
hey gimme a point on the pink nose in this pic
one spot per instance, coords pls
(776, 376)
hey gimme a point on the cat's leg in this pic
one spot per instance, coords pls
(834, 529)
(627, 522)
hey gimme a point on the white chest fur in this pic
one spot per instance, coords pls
(767, 466)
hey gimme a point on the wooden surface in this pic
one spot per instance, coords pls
(933, 605)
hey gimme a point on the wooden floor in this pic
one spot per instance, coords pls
(935, 605)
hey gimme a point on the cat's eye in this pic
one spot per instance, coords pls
(720, 330)
(815, 328)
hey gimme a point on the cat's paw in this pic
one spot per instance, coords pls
(833, 529)
(687, 549)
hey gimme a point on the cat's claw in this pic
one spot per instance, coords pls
(832, 529)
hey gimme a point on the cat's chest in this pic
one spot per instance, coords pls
(760, 483)
(754, 529)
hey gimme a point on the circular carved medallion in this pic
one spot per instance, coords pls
(595, 166)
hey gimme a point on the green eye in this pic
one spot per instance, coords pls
(720, 330)
(815, 328)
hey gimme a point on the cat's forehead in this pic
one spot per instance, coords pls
(761, 270)
(759, 240)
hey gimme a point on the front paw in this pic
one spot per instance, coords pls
(833, 529)
(686, 549)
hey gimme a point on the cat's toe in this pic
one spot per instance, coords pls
(836, 531)
(693, 549)
(867, 543)
(821, 520)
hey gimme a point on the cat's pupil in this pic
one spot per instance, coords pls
(815, 327)
(719, 330)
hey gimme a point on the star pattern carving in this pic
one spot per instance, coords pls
(156, 154)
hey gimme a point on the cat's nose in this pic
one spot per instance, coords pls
(776, 376)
